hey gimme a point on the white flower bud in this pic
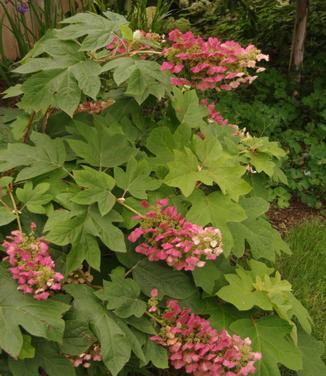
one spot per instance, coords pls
(137, 35)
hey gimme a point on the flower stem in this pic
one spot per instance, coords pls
(132, 268)
(28, 128)
(161, 322)
(15, 211)
(122, 202)
(127, 54)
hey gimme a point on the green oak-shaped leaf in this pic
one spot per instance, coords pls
(206, 162)
(270, 336)
(35, 198)
(262, 288)
(98, 186)
(6, 216)
(156, 354)
(104, 228)
(96, 30)
(80, 228)
(45, 156)
(263, 239)
(241, 292)
(97, 147)
(122, 296)
(87, 75)
(135, 339)
(142, 324)
(63, 228)
(56, 88)
(147, 79)
(223, 168)
(48, 357)
(60, 75)
(264, 145)
(143, 77)
(17, 309)
(77, 337)
(312, 351)
(115, 345)
(262, 163)
(136, 179)
(187, 108)
(262, 154)
(221, 316)
(217, 210)
(162, 143)
(169, 282)
(121, 67)
(185, 171)
(211, 277)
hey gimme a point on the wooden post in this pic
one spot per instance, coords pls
(299, 36)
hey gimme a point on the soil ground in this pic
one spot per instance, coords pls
(297, 212)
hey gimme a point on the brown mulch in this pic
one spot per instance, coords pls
(284, 219)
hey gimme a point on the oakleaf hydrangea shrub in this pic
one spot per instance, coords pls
(149, 248)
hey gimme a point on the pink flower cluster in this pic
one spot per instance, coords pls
(216, 116)
(210, 64)
(31, 264)
(169, 237)
(201, 350)
(213, 114)
(86, 358)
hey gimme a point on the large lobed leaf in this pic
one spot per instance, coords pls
(259, 287)
(208, 163)
(45, 156)
(48, 357)
(41, 319)
(59, 77)
(80, 228)
(116, 342)
(96, 31)
(269, 336)
(97, 147)
(263, 239)
(143, 77)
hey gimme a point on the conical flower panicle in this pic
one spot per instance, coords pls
(170, 238)
(201, 350)
(31, 264)
(210, 64)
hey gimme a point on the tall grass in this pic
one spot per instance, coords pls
(306, 270)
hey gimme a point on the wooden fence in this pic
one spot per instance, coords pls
(9, 41)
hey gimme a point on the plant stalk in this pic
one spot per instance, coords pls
(15, 211)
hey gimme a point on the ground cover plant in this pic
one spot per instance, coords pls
(134, 231)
